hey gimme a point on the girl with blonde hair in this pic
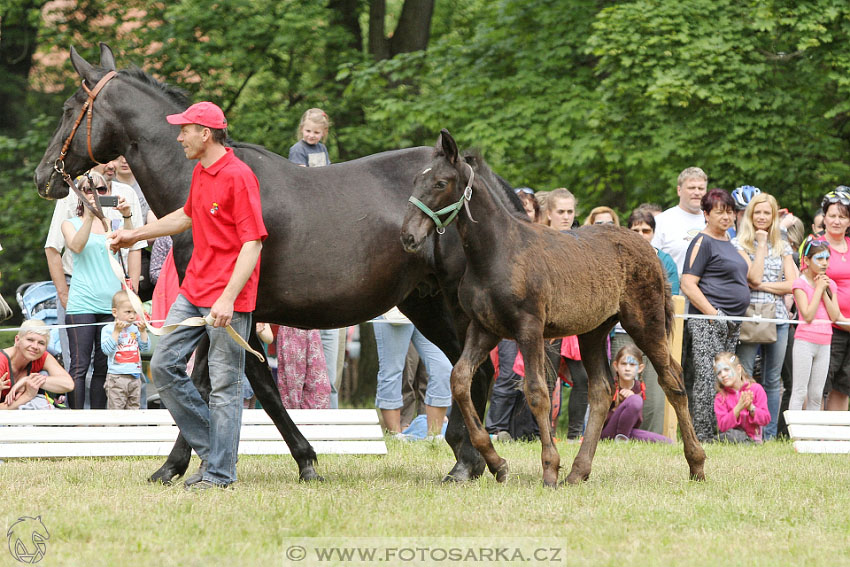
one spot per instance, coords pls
(770, 273)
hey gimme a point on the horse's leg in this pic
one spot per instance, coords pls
(432, 318)
(178, 460)
(595, 361)
(537, 395)
(477, 347)
(265, 387)
(671, 381)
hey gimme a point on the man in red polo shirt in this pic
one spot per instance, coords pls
(224, 213)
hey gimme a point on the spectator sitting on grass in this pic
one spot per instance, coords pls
(21, 364)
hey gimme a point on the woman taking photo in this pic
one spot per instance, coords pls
(836, 219)
(715, 282)
(770, 274)
(93, 285)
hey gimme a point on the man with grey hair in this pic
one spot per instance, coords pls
(677, 226)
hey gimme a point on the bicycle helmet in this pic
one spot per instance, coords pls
(743, 195)
(840, 195)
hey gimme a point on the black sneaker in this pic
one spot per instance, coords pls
(196, 477)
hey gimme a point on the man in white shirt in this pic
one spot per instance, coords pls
(677, 226)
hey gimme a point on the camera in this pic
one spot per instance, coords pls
(108, 200)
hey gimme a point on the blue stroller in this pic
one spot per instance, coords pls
(38, 301)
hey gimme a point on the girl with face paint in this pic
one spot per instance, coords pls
(815, 294)
(740, 403)
(626, 413)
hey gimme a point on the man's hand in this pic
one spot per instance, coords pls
(222, 312)
(122, 238)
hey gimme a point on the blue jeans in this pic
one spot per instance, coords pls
(211, 429)
(393, 341)
(330, 346)
(772, 359)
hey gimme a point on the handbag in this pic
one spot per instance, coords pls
(5, 310)
(759, 332)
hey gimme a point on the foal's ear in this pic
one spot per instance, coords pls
(446, 144)
(107, 60)
(84, 68)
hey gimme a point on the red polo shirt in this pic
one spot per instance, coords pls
(224, 204)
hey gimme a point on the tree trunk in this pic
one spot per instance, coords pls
(411, 32)
(18, 42)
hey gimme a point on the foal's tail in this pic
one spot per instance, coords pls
(669, 311)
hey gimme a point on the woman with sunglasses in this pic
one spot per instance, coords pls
(93, 285)
(771, 273)
(836, 219)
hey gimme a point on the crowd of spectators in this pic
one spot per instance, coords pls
(727, 252)
(730, 254)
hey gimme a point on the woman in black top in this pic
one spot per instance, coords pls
(715, 281)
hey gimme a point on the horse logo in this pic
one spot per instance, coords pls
(28, 539)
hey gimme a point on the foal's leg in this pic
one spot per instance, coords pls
(441, 320)
(670, 380)
(595, 360)
(537, 395)
(645, 323)
(478, 345)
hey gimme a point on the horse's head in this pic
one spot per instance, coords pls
(93, 135)
(437, 191)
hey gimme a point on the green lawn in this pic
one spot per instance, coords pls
(759, 506)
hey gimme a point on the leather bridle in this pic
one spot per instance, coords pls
(86, 110)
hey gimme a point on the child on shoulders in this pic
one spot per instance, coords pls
(122, 342)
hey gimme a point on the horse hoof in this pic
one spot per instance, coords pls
(463, 473)
(501, 473)
(310, 475)
(576, 478)
(698, 476)
(163, 476)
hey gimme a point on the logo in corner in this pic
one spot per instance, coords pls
(28, 539)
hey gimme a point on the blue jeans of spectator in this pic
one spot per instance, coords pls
(211, 429)
(393, 341)
(772, 359)
(330, 346)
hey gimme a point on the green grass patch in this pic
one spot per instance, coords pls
(759, 506)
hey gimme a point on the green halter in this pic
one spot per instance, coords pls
(454, 208)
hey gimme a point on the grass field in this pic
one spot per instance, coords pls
(759, 506)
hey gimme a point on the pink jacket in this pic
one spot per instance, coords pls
(724, 406)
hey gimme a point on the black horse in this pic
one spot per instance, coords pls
(332, 258)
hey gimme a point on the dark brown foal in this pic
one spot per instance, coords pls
(527, 282)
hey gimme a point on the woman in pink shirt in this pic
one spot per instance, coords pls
(836, 209)
(740, 404)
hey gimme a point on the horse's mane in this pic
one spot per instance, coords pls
(177, 95)
(504, 191)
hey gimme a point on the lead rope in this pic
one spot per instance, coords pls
(134, 299)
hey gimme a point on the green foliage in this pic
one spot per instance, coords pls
(609, 99)
(24, 216)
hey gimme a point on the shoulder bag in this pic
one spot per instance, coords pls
(759, 332)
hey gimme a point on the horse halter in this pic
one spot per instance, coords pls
(86, 110)
(453, 209)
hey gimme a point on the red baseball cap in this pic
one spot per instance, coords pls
(203, 113)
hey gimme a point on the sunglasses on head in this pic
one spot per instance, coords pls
(809, 241)
(836, 197)
(525, 190)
